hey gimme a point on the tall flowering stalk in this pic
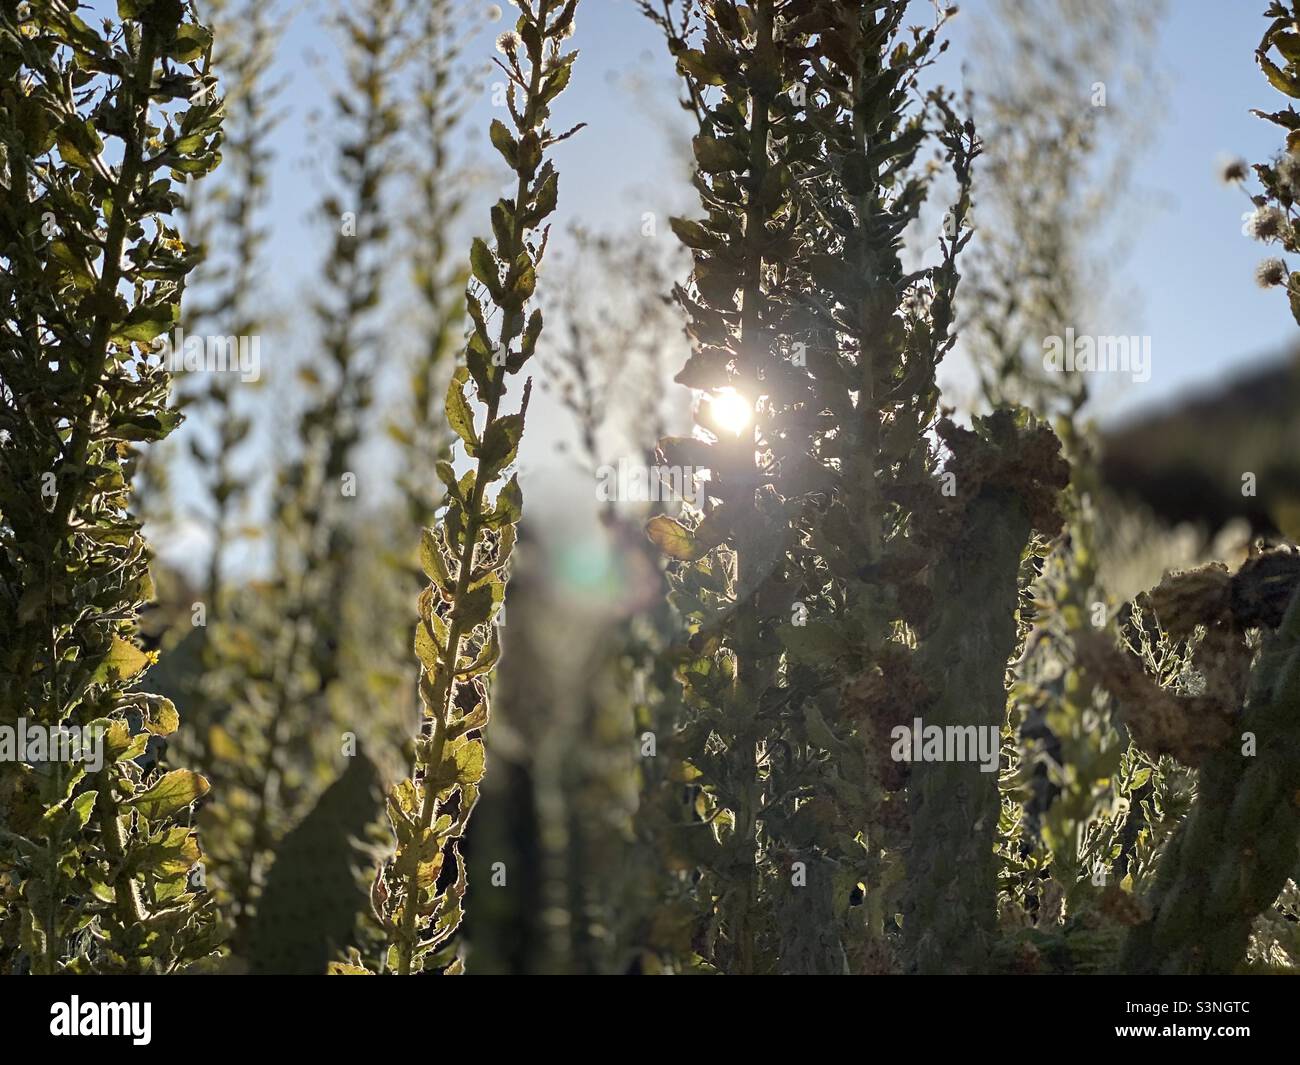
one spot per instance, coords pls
(819, 580)
(418, 894)
(736, 74)
(234, 236)
(94, 859)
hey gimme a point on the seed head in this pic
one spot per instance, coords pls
(1271, 273)
(1264, 223)
(1233, 171)
(1288, 174)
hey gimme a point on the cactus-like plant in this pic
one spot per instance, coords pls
(94, 862)
(1233, 853)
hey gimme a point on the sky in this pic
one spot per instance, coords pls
(1185, 278)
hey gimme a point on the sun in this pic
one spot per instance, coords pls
(731, 411)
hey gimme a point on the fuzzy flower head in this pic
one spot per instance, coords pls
(508, 43)
(494, 12)
(1263, 223)
(1233, 171)
(1271, 273)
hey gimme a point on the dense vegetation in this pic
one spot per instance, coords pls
(883, 685)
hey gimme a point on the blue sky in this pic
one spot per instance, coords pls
(1186, 277)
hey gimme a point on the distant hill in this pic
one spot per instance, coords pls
(1186, 462)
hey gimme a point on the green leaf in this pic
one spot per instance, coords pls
(484, 266)
(342, 968)
(558, 81)
(1280, 80)
(501, 443)
(447, 475)
(548, 198)
(171, 852)
(693, 62)
(481, 601)
(509, 506)
(431, 560)
(1288, 44)
(161, 718)
(693, 235)
(815, 641)
(487, 657)
(191, 41)
(460, 416)
(463, 763)
(173, 792)
(523, 278)
(81, 808)
(147, 321)
(719, 157)
(426, 647)
(531, 334)
(504, 142)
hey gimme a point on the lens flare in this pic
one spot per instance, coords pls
(731, 411)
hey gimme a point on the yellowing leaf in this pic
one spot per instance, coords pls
(173, 792)
(123, 661)
(463, 763)
(460, 416)
(120, 744)
(672, 538)
(432, 561)
(162, 718)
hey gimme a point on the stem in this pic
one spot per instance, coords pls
(749, 676)
(79, 443)
(868, 405)
(951, 897)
